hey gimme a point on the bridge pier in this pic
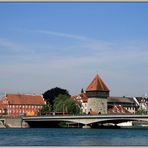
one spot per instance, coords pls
(24, 124)
(86, 126)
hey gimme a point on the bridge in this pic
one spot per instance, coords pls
(81, 120)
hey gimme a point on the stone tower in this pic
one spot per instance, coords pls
(97, 93)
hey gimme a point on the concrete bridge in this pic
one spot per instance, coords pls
(82, 120)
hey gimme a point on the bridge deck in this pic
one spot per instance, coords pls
(84, 120)
(86, 117)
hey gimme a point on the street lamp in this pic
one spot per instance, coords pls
(63, 108)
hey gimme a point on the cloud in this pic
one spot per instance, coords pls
(65, 35)
(121, 64)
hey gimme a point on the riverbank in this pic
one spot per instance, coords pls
(11, 122)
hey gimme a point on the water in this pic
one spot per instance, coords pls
(73, 137)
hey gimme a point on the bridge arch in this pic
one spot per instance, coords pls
(84, 120)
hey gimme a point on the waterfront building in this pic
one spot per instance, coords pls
(143, 104)
(118, 109)
(20, 104)
(96, 100)
(127, 103)
(97, 93)
(82, 99)
(115, 105)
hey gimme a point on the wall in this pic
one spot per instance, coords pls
(13, 122)
(97, 105)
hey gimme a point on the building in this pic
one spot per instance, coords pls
(20, 104)
(118, 109)
(126, 102)
(143, 104)
(97, 93)
(82, 99)
(96, 100)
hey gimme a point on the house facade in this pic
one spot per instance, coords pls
(82, 99)
(21, 104)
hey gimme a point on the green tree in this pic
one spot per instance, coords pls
(141, 111)
(51, 94)
(72, 107)
(64, 103)
(45, 110)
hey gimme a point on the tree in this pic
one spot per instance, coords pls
(51, 94)
(72, 107)
(64, 103)
(59, 103)
(141, 111)
(45, 110)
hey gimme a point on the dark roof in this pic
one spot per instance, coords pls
(97, 84)
(120, 99)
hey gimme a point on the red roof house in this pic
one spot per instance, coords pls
(20, 104)
(118, 109)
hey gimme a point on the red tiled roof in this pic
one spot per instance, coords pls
(97, 84)
(84, 97)
(81, 96)
(118, 109)
(25, 99)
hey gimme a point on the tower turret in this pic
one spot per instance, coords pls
(97, 93)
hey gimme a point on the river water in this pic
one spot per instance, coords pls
(73, 137)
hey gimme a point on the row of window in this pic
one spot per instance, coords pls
(18, 111)
(2, 111)
(24, 106)
(14, 111)
(130, 108)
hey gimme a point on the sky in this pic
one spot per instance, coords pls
(47, 45)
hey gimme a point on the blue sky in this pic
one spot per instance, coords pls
(44, 45)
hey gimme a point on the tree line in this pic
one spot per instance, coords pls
(59, 100)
